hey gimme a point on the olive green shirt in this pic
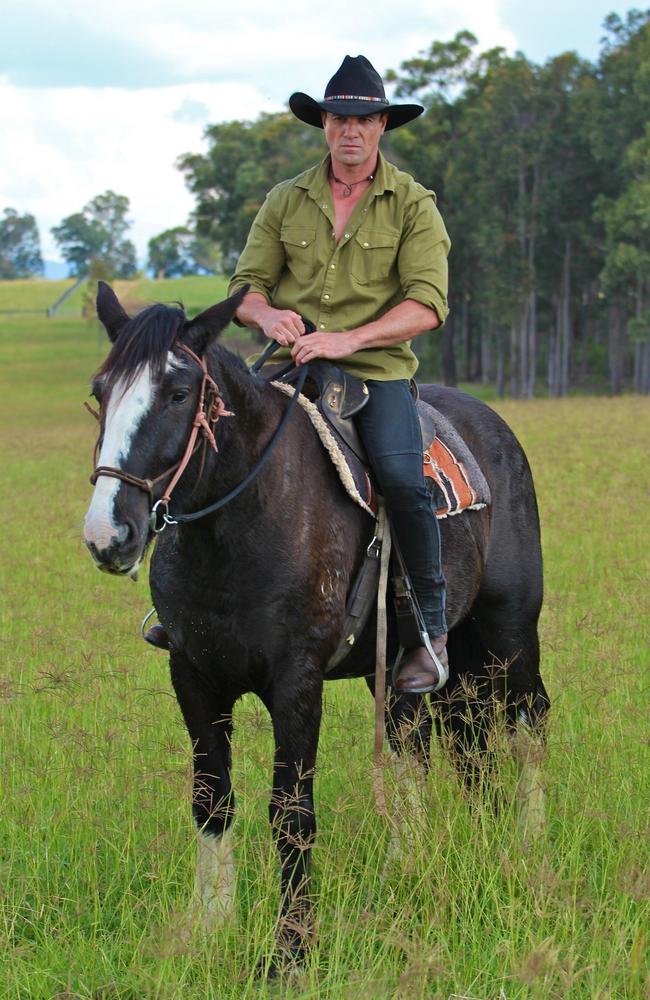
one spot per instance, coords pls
(394, 248)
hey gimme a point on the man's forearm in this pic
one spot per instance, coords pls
(402, 322)
(254, 310)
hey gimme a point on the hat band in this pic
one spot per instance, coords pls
(353, 97)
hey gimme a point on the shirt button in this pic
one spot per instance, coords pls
(366, 244)
(332, 266)
(321, 326)
(347, 236)
(303, 243)
(326, 296)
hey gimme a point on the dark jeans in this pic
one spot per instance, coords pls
(390, 431)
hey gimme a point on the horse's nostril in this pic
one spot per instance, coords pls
(127, 531)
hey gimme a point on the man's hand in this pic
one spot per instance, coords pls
(283, 325)
(332, 346)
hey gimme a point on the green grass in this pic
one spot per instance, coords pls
(95, 829)
(32, 294)
(195, 292)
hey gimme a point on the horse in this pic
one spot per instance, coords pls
(253, 595)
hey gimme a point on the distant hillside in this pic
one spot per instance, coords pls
(39, 294)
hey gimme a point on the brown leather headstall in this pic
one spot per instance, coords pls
(210, 407)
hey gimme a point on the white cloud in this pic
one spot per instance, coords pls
(68, 144)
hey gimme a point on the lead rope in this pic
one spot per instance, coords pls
(384, 539)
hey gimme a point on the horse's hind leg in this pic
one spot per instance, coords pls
(209, 722)
(502, 651)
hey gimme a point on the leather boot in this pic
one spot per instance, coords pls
(419, 672)
(157, 636)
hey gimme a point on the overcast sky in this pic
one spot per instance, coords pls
(108, 95)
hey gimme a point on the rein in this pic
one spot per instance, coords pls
(210, 407)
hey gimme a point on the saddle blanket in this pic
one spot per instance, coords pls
(458, 483)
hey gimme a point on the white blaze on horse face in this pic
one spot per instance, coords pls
(124, 414)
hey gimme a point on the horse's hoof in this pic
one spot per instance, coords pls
(205, 919)
(282, 967)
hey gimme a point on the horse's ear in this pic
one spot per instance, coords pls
(207, 326)
(109, 310)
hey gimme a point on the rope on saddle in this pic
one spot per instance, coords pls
(384, 539)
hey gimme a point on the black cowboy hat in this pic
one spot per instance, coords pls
(356, 89)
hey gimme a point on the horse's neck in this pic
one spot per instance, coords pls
(256, 411)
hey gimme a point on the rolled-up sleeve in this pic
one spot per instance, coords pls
(422, 257)
(262, 260)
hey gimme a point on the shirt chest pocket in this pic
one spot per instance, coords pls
(300, 250)
(372, 255)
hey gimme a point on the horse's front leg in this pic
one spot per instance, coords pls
(408, 723)
(208, 717)
(295, 708)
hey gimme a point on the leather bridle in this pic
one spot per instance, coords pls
(210, 408)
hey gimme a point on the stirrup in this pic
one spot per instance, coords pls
(443, 669)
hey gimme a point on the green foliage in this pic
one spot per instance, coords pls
(20, 246)
(541, 173)
(244, 160)
(98, 232)
(176, 252)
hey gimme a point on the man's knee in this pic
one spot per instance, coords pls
(399, 476)
(407, 500)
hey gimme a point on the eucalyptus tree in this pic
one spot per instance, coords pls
(615, 110)
(20, 247)
(243, 162)
(98, 232)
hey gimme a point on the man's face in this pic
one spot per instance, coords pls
(353, 141)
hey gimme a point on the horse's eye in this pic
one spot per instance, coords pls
(180, 395)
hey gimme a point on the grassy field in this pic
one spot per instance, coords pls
(195, 293)
(96, 837)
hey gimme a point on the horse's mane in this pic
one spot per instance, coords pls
(146, 339)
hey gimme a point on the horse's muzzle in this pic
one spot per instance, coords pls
(115, 559)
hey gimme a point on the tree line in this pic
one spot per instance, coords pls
(542, 174)
(94, 242)
(543, 178)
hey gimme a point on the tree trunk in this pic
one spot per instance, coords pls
(551, 361)
(448, 355)
(532, 344)
(467, 368)
(501, 368)
(615, 348)
(566, 320)
(514, 359)
(641, 347)
(523, 345)
(486, 342)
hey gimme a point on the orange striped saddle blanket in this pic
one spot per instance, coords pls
(456, 480)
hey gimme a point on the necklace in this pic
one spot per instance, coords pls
(348, 187)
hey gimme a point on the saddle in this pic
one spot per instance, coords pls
(337, 396)
(331, 397)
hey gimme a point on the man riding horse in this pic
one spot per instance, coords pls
(359, 247)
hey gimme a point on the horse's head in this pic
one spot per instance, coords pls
(148, 391)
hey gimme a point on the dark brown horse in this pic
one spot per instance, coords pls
(253, 595)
